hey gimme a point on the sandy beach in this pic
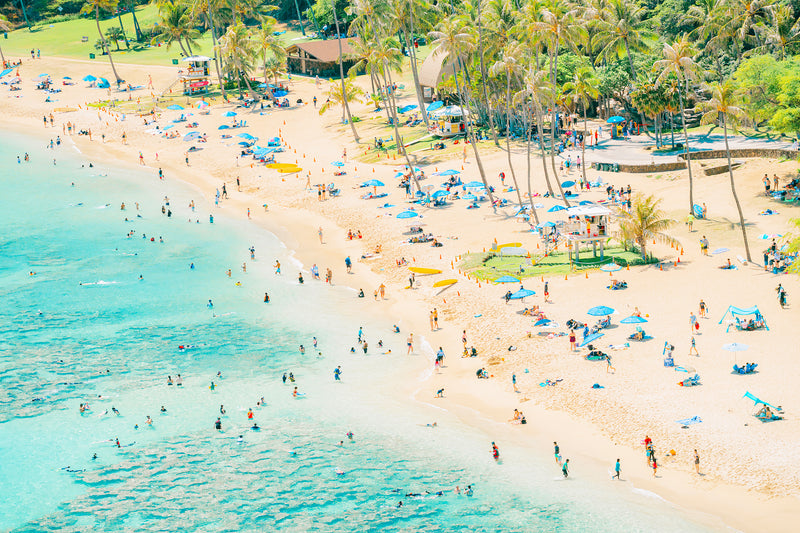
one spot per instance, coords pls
(748, 476)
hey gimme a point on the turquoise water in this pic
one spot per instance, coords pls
(84, 328)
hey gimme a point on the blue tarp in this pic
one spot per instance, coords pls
(689, 421)
(407, 108)
(757, 401)
(522, 293)
(739, 311)
(433, 106)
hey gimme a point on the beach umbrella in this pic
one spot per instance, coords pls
(568, 183)
(372, 183)
(244, 143)
(538, 206)
(522, 293)
(43, 75)
(735, 347)
(720, 251)
(506, 279)
(616, 119)
(469, 196)
(589, 338)
(611, 267)
(474, 185)
(203, 104)
(600, 310)
(586, 202)
(449, 172)
(246, 136)
(542, 322)
(89, 78)
(192, 136)
(175, 107)
(439, 194)
(433, 106)
(633, 319)
(103, 81)
(229, 114)
(547, 224)
(337, 163)
(66, 78)
(407, 214)
(224, 127)
(556, 208)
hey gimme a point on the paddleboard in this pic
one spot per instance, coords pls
(445, 282)
(422, 270)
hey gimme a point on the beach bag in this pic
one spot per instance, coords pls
(697, 326)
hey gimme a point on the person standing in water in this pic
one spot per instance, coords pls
(495, 452)
(337, 373)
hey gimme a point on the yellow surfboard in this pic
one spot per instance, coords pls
(289, 170)
(509, 245)
(445, 282)
(422, 270)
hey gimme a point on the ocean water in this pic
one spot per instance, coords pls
(84, 328)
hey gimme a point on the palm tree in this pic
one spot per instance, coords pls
(137, 29)
(96, 6)
(743, 17)
(583, 88)
(622, 32)
(270, 46)
(341, 73)
(645, 222)
(508, 66)
(678, 61)
(721, 108)
(115, 35)
(5, 26)
(335, 97)
(273, 68)
(239, 48)
(456, 44)
(782, 33)
(176, 26)
(540, 90)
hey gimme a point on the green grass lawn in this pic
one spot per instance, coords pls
(490, 267)
(63, 39)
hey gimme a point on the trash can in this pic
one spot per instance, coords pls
(174, 61)
(91, 56)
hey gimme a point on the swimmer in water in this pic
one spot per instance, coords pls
(221, 409)
(255, 426)
(284, 378)
(218, 424)
(295, 393)
(240, 439)
(210, 304)
(114, 410)
(149, 420)
(266, 298)
(169, 380)
(212, 386)
(163, 409)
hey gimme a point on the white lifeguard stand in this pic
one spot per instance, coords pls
(588, 224)
(195, 75)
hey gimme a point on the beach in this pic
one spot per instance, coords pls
(749, 482)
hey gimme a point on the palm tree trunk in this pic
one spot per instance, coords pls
(539, 129)
(341, 76)
(583, 145)
(733, 189)
(686, 152)
(553, 126)
(122, 28)
(137, 29)
(216, 55)
(299, 18)
(483, 78)
(630, 60)
(508, 142)
(528, 160)
(2, 58)
(180, 43)
(470, 136)
(398, 139)
(25, 14)
(412, 54)
(105, 44)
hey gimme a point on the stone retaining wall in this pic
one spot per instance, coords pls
(653, 167)
(769, 153)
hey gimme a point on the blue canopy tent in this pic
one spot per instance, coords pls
(5, 72)
(506, 279)
(590, 338)
(737, 311)
(89, 77)
(757, 401)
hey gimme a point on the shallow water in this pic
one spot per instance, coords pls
(84, 328)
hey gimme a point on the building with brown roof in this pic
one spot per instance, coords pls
(320, 58)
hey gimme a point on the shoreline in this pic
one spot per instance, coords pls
(296, 229)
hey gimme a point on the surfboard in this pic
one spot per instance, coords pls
(422, 270)
(445, 282)
(509, 245)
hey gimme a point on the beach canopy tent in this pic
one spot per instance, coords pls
(506, 279)
(757, 401)
(746, 311)
(5, 72)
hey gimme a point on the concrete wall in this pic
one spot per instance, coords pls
(768, 153)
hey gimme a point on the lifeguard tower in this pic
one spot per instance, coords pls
(448, 121)
(587, 225)
(195, 76)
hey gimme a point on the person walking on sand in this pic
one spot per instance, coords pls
(655, 466)
(565, 468)
(556, 452)
(692, 322)
(514, 382)
(703, 309)
(546, 291)
(693, 348)
(696, 461)
(608, 364)
(704, 245)
(410, 343)
(319, 232)
(617, 470)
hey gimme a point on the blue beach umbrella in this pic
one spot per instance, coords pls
(229, 114)
(633, 320)
(522, 293)
(600, 310)
(175, 107)
(556, 208)
(590, 338)
(66, 78)
(474, 185)
(469, 196)
(191, 136)
(372, 183)
(407, 214)
(586, 202)
(568, 183)
(246, 136)
(224, 127)
(542, 322)
(103, 83)
(506, 279)
(89, 78)
(337, 163)
(611, 267)
(616, 119)
(449, 172)
(439, 194)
